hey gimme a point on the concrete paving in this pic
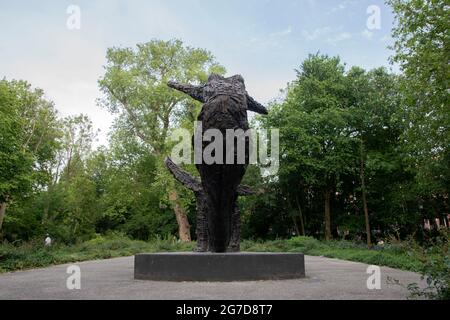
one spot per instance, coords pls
(113, 279)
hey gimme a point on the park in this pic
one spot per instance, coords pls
(299, 153)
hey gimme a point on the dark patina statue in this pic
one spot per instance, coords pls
(226, 103)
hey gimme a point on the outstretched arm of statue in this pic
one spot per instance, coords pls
(196, 92)
(182, 176)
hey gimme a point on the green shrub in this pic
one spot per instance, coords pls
(33, 254)
(305, 244)
(435, 269)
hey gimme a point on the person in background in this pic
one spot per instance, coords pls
(48, 241)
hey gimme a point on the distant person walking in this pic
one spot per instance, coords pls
(48, 241)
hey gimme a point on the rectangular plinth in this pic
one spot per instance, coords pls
(241, 266)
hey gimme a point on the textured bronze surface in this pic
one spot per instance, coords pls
(226, 103)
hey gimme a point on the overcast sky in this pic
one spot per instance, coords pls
(264, 40)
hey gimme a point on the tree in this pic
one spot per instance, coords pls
(135, 87)
(316, 147)
(341, 150)
(131, 199)
(373, 102)
(70, 197)
(422, 49)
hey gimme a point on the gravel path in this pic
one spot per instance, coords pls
(113, 279)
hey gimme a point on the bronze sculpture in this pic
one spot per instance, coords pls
(226, 103)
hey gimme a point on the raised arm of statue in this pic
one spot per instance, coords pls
(255, 106)
(196, 92)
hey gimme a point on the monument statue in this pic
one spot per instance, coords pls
(225, 105)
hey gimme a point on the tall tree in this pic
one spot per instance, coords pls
(132, 200)
(422, 49)
(373, 102)
(28, 134)
(340, 137)
(316, 147)
(135, 87)
(68, 169)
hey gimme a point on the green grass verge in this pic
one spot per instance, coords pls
(398, 256)
(32, 255)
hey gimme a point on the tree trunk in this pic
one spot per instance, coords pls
(2, 213)
(364, 199)
(327, 197)
(295, 225)
(46, 207)
(45, 215)
(182, 219)
(366, 214)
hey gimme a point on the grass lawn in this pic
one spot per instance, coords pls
(32, 255)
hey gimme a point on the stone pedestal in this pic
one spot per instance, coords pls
(241, 266)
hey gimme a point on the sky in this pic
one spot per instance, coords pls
(263, 40)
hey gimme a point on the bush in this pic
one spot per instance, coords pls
(433, 263)
(305, 244)
(34, 254)
(435, 269)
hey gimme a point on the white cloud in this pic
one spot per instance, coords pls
(332, 36)
(281, 33)
(67, 70)
(367, 34)
(386, 38)
(67, 64)
(264, 43)
(264, 89)
(271, 39)
(316, 33)
(343, 5)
